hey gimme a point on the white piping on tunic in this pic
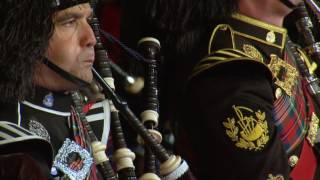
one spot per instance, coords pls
(59, 113)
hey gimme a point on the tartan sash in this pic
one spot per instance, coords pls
(291, 114)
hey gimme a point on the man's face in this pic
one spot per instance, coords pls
(72, 45)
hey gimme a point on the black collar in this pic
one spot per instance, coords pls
(259, 31)
(52, 100)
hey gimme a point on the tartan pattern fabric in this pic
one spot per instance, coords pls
(79, 131)
(291, 114)
(290, 118)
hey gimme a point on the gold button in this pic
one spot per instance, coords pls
(271, 37)
(293, 160)
(278, 93)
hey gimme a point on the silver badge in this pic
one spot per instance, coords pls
(73, 160)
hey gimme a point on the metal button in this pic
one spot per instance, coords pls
(278, 93)
(293, 160)
(271, 37)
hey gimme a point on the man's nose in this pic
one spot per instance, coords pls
(88, 38)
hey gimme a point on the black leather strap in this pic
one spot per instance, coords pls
(66, 75)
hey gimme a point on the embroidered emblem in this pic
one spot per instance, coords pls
(48, 100)
(313, 129)
(252, 52)
(38, 129)
(284, 73)
(247, 131)
(271, 37)
(277, 177)
(73, 160)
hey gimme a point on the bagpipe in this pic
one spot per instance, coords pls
(171, 166)
(300, 19)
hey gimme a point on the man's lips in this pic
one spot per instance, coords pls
(87, 62)
(87, 57)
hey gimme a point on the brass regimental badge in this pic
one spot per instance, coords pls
(285, 74)
(249, 129)
(271, 37)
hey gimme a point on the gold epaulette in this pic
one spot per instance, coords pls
(223, 56)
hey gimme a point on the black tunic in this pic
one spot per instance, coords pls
(245, 101)
(47, 114)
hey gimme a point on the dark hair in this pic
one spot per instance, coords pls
(180, 23)
(25, 29)
(181, 15)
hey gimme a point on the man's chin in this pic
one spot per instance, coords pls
(87, 77)
(77, 86)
